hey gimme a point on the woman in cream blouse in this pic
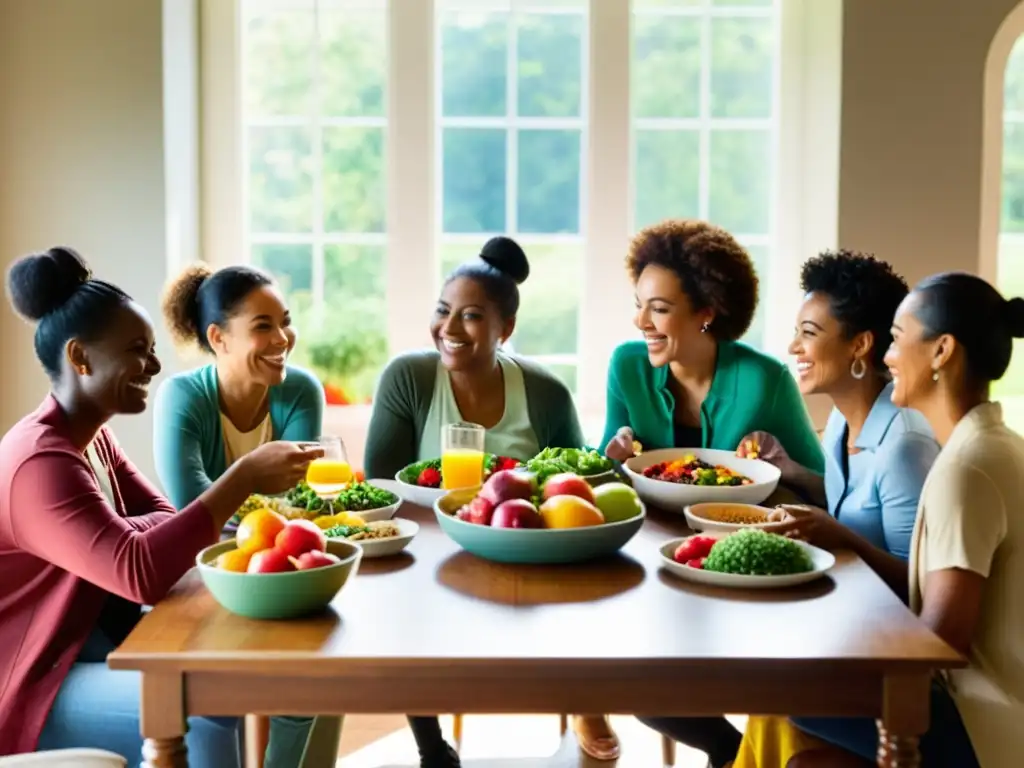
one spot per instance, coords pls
(952, 337)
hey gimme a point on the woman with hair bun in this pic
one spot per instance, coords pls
(85, 539)
(952, 337)
(207, 419)
(467, 377)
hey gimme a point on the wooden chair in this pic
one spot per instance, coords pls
(257, 736)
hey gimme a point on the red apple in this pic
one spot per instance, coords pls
(270, 561)
(516, 513)
(569, 484)
(478, 511)
(300, 536)
(507, 484)
(314, 559)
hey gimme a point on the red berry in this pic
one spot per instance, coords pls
(429, 478)
(697, 562)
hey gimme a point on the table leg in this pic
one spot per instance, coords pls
(905, 713)
(163, 721)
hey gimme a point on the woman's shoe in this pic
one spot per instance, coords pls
(596, 737)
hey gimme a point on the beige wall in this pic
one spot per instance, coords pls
(82, 154)
(81, 160)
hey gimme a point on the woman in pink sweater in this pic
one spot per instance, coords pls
(85, 539)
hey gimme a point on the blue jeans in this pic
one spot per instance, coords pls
(98, 707)
(946, 743)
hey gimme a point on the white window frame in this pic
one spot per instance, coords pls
(805, 197)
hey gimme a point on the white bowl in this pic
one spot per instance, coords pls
(823, 562)
(675, 497)
(696, 522)
(407, 530)
(417, 494)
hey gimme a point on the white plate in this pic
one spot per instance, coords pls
(417, 494)
(674, 497)
(823, 562)
(381, 513)
(407, 530)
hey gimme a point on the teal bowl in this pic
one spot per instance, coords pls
(278, 595)
(537, 546)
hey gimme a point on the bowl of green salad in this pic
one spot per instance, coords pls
(370, 500)
(594, 467)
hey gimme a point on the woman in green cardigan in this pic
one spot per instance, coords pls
(690, 383)
(206, 419)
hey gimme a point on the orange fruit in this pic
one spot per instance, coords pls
(258, 530)
(569, 512)
(234, 560)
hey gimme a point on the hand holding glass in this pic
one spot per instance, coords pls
(462, 456)
(329, 476)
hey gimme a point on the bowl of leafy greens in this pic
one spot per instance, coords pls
(421, 482)
(368, 501)
(593, 466)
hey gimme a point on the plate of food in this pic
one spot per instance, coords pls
(382, 538)
(747, 559)
(421, 482)
(514, 519)
(727, 517)
(589, 464)
(674, 478)
(368, 501)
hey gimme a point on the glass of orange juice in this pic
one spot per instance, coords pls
(329, 476)
(462, 456)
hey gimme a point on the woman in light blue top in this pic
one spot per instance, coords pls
(206, 419)
(876, 455)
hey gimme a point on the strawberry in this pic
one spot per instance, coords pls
(697, 562)
(429, 478)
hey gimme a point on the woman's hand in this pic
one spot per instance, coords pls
(278, 466)
(620, 447)
(811, 524)
(764, 446)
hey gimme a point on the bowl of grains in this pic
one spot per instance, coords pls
(727, 517)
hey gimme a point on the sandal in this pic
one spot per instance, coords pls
(602, 747)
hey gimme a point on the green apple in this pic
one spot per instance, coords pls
(617, 501)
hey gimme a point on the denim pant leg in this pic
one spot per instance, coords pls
(98, 707)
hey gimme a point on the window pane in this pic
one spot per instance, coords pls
(474, 61)
(1013, 177)
(548, 321)
(353, 179)
(345, 342)
(474, 180)
(741, 67)
(353, 63)
(740, 184)
(280, 180)
(667, 180)
(292, 265)
(755, 334)
(279, 63)
(549, 182)
(550, 50)
(666, 66)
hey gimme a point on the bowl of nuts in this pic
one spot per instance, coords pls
(727, 517)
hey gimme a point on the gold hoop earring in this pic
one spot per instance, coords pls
(858, 369)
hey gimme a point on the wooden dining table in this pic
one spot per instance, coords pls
(438, 630)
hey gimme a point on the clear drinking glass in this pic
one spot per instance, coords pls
(462, 455)
(329, 476)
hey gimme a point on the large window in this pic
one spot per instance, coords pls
(1010, 389)
(384, 141)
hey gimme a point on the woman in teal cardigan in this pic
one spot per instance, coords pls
(690, 383)
(206, 419)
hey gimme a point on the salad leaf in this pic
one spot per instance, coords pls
(582, 461)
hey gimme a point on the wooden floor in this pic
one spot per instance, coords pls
(492, 741)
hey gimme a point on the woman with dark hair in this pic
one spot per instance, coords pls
(467, 377)
(690, 383)
(523, 406)
(952, 337)
(85, 539)
(207, 419)
(876, 454)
